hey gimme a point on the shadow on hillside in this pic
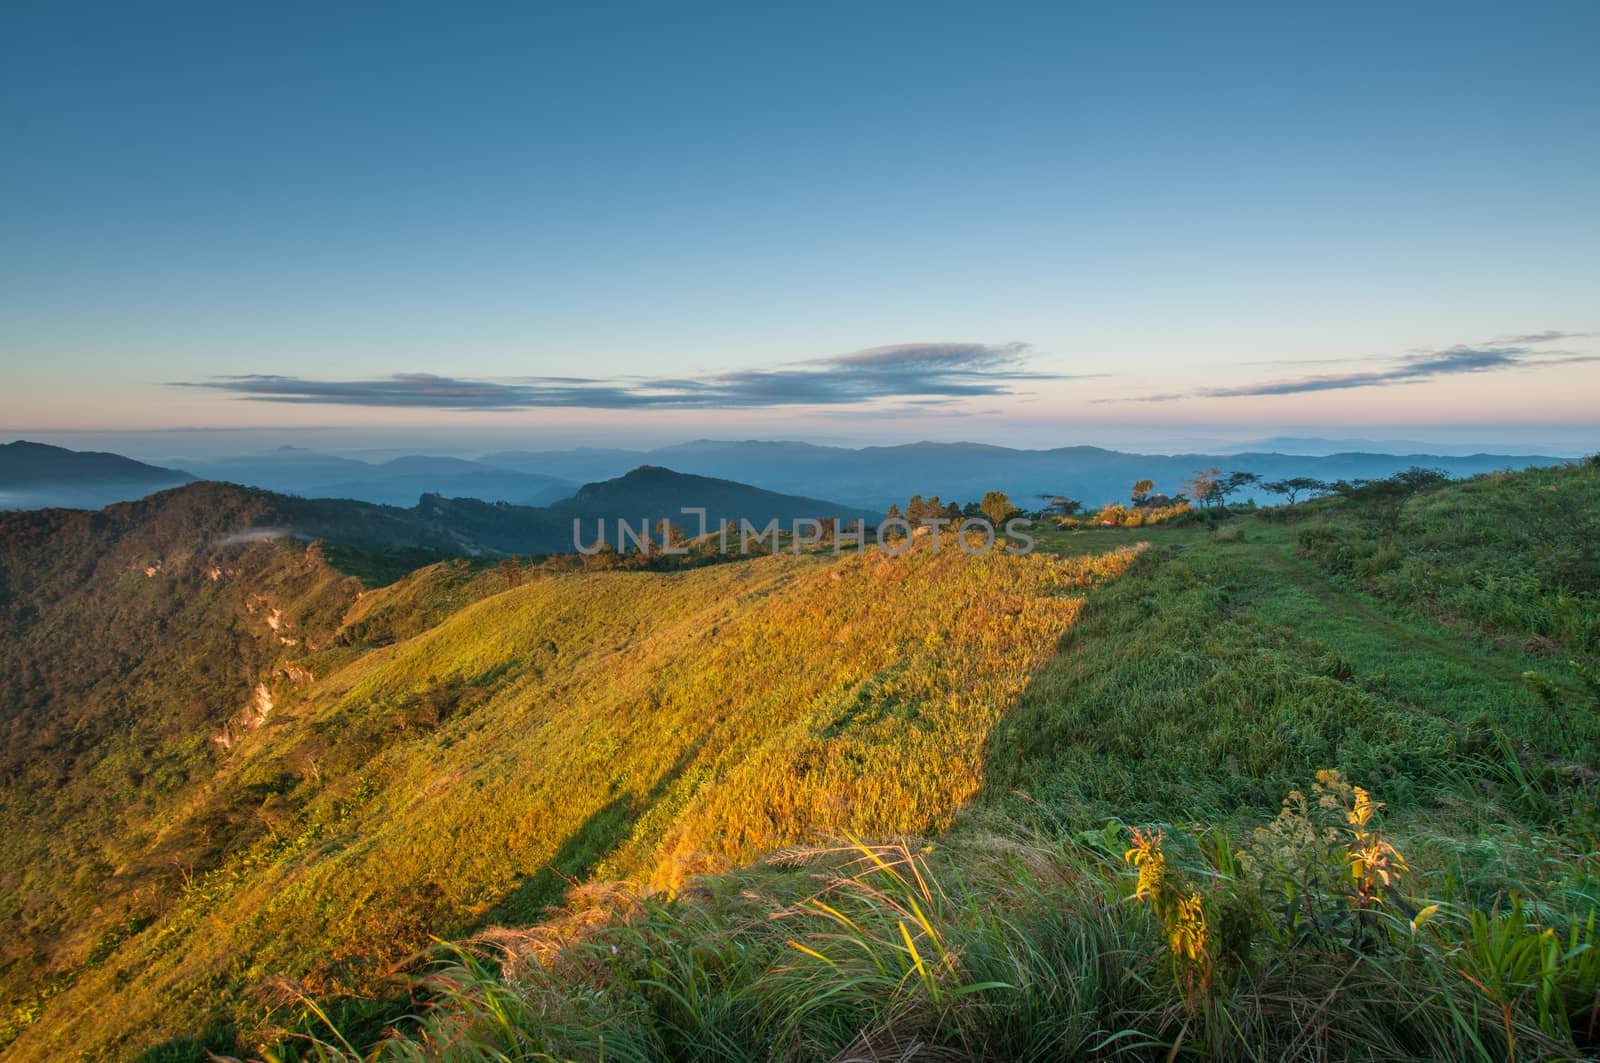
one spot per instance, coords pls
(192, 1049)
(1072, 733)
(599, 836)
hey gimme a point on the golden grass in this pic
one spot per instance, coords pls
(630, 725)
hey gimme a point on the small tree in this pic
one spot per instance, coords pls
(1391, 492)
(1203, 485)
(894, 512)
(1141, 491)
(1417, 479)
(603, 559)
(1293, 487)
(1057, 505)
(916, 510)
(997, 507)
(672, 536)
(1235, 482)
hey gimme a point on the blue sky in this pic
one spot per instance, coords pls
(837, 221)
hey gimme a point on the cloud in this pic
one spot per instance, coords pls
(1513, 352)
(411, 390)
(1542, 337)
(1444, 363)
(252, 535)
(923, 372)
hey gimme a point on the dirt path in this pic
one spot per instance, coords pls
(1347, 606)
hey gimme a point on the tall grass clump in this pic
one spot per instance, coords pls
(1307, 937)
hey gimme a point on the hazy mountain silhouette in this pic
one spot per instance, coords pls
(471, 526)
(399, 482)
(36, 475)
(856, 481)
(871, 477)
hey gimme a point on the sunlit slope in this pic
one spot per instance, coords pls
(641, 725)
(128, 638)
(1446, 910)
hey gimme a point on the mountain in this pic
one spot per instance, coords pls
(863, 481)
(398, 482)
(647, 494)
(579, 463)
(35, 475)
(653, 490)
(471, 526)
(808, 806)
(871, 477)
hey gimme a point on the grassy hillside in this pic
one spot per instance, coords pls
(629, 723)
(1514, 555)
(136, 641)
(677, 762)
(1245, 700)
(128, 643)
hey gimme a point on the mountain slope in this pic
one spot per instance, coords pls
(654, 724)
(1251, 711)
(656, 491)
(130, 638)
(22, 462)
(647, 494)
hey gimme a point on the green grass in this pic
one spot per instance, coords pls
(1012, 947)
(1513, 555)
(1228, 667)
(673, 758)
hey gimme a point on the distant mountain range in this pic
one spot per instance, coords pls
(648, 493)
(400, 482)
(462, 526)
(862, 480)
(872, 477)
(1322, 445)
(34, 475)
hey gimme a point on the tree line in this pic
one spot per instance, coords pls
(1211, 490)
(996, 508)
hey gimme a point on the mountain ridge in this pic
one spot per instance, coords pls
(466, 526)
(871, 476)
(36, 475)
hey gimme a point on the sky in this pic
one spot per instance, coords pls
(448, 225)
